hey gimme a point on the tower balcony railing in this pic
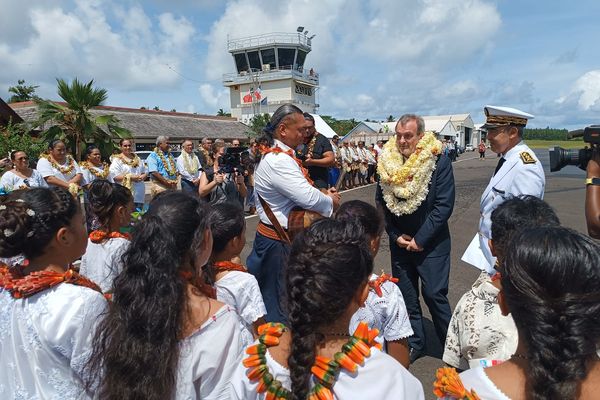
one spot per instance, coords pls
(267, 73)
(269, 39)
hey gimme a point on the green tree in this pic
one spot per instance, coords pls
(222, 113)
(22, 92)
(75, 124)
(156, 108)
(258, 122)
(390, 118)
(17, 137)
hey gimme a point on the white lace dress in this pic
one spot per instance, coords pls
(386, 313)
(46, 169)
(45, 340)
(118, 167)
(209, 357)
(380, 377)
(101, 262)
(241, 291)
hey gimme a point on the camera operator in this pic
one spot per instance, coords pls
(592, 194)
(223, 182)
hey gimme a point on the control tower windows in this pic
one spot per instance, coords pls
(286, 58)
(300, 59)
(254, 60)
(240, 62)
(268, 57)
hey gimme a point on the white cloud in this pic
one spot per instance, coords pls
(214, 98)
(588, 87)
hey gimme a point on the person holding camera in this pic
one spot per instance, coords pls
(221, 183)
(592, 194)
(519, 172)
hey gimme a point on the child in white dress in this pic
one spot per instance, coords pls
(112, 205)
(479, 335)
(234, 285)
(315, 357)
(47, 311)
(384, 308)
(164, 337)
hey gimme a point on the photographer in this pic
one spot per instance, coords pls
(592, 195)
(223, 182)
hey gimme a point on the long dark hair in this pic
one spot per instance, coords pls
(551, 283)
(30, 218)
(226, 222)
(136, 347)
(105, 197)
(328, 263)
(279, 116)
(363, 213)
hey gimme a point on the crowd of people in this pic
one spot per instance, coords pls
(93, 305)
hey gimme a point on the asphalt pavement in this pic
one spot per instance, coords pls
(565, 192)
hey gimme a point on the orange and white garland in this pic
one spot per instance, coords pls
(93, 169)
(132, 163)
(64, 170)
(405, 183)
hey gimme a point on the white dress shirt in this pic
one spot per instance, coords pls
(280, 182)
(185, 174)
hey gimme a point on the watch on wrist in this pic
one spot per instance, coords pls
(592, 181)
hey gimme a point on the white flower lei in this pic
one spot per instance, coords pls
(405, 184)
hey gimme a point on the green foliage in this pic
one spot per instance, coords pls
(16, 137)
(545, 134)
(222, 113)
(257, 124)
(156, 108)
(341, 127)
(22, 92)
(390, 118)
(75, 124)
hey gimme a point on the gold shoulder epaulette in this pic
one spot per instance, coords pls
(527, 158)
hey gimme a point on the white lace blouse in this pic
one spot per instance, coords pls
(46, 169)
(380, 377)
(11, 181)
(386, 313)
(45, 341)
(241, 291)
(102, 261)
(477, 379)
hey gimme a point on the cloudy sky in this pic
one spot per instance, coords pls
(375, 58)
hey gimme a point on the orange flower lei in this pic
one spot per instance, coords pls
(21, 287)
(449, 385)
(277, 150)
(325, 370)
(375, 284)
(221, 266)
(65, 170)
(101, 236)
(132, 163)
(90, 167)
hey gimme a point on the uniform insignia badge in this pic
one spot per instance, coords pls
(527, 158)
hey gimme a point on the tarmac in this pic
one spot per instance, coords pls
(565, 192)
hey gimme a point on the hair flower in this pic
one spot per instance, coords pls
(30, 212)
(2, 207)
(8, 232)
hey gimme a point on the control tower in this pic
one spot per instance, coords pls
(270, 72)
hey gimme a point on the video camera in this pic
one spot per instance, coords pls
(560, 158)
(231, 161)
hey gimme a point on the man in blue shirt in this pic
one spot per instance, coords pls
(162, 167)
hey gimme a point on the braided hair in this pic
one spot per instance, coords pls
(551, 284)
(104, 198)
(280, 116)
(328, 264)
(136, 346)
(30, 218)
(368, 216)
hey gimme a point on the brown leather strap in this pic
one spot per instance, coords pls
(278, 228)
(267, 231)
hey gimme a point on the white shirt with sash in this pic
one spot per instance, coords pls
(521, 174)
(279, 181)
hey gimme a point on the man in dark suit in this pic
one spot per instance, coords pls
(419, 235)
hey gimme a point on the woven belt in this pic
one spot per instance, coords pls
(268, 231)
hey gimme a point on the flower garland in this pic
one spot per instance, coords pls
(100, 236)
(127, 182)
(21, 287)
(376, 283)
(92, 168)
(190, 163)
(449, 386)
(325, 370)
(170, 167)
(132, 163)
(64, 170)
(222, 266)
(278, 150)
(405, 183)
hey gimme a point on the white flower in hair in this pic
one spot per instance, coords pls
(8, 232)
(2, 207)
(29, 234)
(30, 212)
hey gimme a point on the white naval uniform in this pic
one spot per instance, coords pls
(515, 178)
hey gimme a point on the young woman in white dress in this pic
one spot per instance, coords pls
(59, 168)
(93, 168)
(164, 337)
(21, 176)
(112, 205)
(129, 170)
(550, 285)
(384, 308)
(47, 311)
(234, 285)
(327, 281)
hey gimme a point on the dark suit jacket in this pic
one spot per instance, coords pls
(428, 225)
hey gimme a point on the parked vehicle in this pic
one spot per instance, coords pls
(469, 147)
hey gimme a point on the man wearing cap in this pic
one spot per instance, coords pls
(519, 172)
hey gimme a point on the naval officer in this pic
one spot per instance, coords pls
(519, 172)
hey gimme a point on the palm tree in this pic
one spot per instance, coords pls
(74, 123)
